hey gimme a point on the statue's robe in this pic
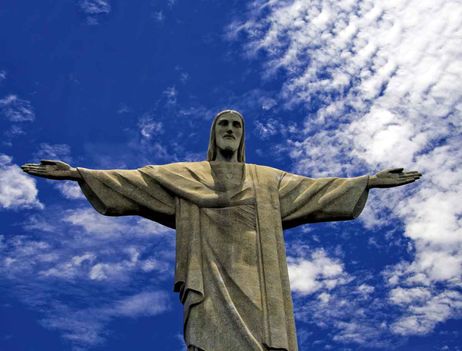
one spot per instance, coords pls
(231, 271)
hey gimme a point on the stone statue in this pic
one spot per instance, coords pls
(231, 271)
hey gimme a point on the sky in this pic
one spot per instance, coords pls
(327, 88)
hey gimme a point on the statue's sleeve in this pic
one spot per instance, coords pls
(128, 192)
(306, 200)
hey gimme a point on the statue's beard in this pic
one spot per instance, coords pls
(227, 152)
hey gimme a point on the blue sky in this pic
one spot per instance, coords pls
(327, 88)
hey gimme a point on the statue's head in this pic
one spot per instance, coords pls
(227, 135)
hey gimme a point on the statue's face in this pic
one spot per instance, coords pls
(228, 132)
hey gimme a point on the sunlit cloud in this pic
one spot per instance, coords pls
(70, 190)
(17, 190)
(320, 272)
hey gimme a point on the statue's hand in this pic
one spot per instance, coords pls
(392, 177)
(52, 170)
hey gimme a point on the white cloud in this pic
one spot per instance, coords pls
(70, 190)
(402, 296)
(158, 16)
(349, 313)
(62, 152)
(267, 103)
(95, 7)
(94, 223)
(170, 94)
(421, 319)
(71, 253)
(149, 127)
(16, 110)
(320, 272)
(71, 269)
(142, 304)
(388, 81)
(17, 190)
(266, 128)
(365, 289)
(54, 152)
(87, 327)
(2, 75)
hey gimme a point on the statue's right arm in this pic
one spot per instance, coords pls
(52, 170)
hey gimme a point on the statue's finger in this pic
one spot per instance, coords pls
(41, 173)
(32, 171)
(35, 167)
(406, 176)
(411, 176)
(48, 162)
(415, 174)
(409, 179)
(395, 170)
(403, 182)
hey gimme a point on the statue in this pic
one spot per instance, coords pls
(231, 271)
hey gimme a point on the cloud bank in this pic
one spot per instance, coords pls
(382, 85)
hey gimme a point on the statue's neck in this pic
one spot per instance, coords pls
(226, 156)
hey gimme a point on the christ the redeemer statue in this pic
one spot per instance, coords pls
(231, 271)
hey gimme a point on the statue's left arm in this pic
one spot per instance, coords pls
(306, 200)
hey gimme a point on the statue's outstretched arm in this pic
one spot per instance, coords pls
(392, 177)
(52, 169)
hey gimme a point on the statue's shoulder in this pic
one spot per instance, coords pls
(265, 169)
(267, 174)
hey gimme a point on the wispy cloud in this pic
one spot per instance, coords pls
(94, 223)
(149, 127)
(158, 16)
(17, 190)
(383, 85)
(426, 311)
(71, 252)
(94, 9)
(170, 94)
(87, 327)
(16, 109)
(266, 128)
(350, 312)
(53, 152)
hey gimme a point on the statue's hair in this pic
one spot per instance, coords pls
(212, 151)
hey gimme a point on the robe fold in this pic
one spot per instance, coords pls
(231, 270)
